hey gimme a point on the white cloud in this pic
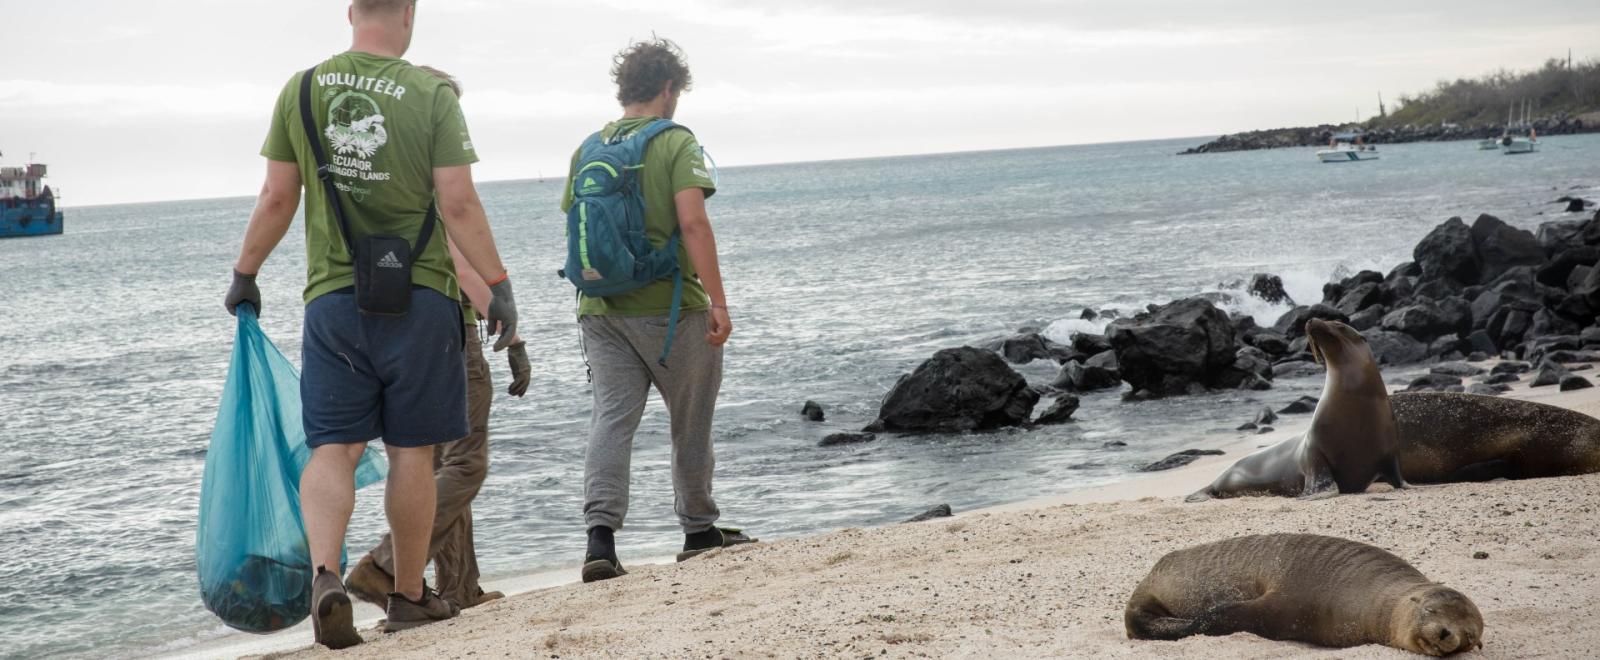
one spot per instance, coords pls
(100, 103)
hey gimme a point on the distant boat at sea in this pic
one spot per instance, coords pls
(1345, 148)
(1520, 136)
(27, 206)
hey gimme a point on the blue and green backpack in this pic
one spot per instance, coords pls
(608, 252)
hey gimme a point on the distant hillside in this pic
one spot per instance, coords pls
(1554, 91)
(1563, 100)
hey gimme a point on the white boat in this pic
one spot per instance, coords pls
(1491, 144)
(1520, 137)
(1519, 144)
(1345, 148)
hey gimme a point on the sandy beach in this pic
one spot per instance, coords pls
(1050, 577)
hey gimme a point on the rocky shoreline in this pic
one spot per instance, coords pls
(1317, 136)
(1472, 293)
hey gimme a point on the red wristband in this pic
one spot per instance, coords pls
(503, 277)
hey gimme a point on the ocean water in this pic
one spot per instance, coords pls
(842, 276)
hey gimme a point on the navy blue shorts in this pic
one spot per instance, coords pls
(400, 378)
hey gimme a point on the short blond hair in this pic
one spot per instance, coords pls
(381, 6)
(455, 85)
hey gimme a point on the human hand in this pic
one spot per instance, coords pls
(242, 290)
(721, 326)
(502, 316)
(521, 371)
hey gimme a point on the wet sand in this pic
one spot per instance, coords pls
(1050, 577)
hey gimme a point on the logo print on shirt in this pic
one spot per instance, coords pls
(355, 126)
(390, 261)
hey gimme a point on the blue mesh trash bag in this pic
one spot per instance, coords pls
(250, 548)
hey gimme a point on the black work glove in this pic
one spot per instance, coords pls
(502, 316)
(243, 290)
(521, 371)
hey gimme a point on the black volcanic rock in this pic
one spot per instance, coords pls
(1300, 406)
(941, 511)
(1511, 367)
(958, 389)
(1359, 298)
(1180, 459)
(1575, 382)
(1423, 321)
(1269, 288)
(1436, 383)
(1556, 271)
(1090, 344)
(1549, 373)
(1560, 235)
(1501, 247)
(1389, 347)
(1060, 411)
(1293, 323)
(1448, 252)
(813, 411)
(1028, 347)
(1173, 348)
(837, 439)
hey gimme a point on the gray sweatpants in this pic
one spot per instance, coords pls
(622, 353)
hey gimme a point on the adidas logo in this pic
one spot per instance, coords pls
(390, 261)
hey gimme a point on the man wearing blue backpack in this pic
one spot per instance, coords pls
(651, 306)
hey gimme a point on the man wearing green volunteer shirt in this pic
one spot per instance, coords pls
(394, 138)
(623, 334)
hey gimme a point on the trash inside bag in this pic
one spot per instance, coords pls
(250, 548)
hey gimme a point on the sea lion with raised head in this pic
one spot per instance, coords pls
(1301, 587)
(1352, 440)
(1448, 437)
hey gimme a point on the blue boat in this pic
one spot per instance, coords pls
(27, 206)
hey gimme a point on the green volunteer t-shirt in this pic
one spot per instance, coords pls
(385, 125)
(673, 163)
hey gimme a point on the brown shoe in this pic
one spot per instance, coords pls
(477, 599)
(405, 614)
(332, 624)
(369, 582)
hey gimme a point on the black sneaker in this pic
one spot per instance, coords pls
(600, 560)
(405, 614)
(596, 569)
(332, 624)
(700, 543)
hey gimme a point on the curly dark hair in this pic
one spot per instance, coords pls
(640, 70)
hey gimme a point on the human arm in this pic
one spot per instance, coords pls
(274, 212)
(468, 228)
(701, 243)
(472, 284)
(478, 295)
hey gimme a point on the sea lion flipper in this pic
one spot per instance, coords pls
(1199, 496)
(1261, 616)
(1319, 482)
(1391, 474)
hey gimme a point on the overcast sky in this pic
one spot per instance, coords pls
(169, 99)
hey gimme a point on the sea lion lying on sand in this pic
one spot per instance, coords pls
(1302, 587)
(1352, 441)
(1465, 437)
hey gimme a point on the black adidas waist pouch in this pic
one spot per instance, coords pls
(383, 274)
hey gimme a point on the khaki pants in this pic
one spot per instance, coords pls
(459, 468)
